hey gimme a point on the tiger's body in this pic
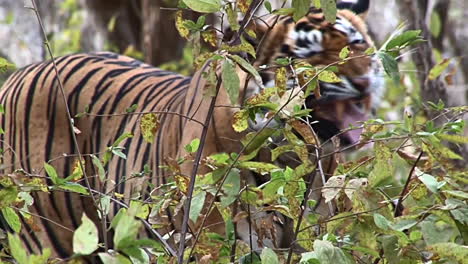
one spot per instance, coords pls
(109, 84)
(37, 129)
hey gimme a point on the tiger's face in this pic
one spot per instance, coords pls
(319, 42)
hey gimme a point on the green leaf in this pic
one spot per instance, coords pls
(204, 6)
(403, 224)
(301, 8)
(309, 258)
(344, 53)
(85, 237)
(149, 126)
(390, 66)
(284, 11)
(73, 187)
(232, 18)
(126, 230)
(131, 109)
(311, 86)
(52, 173)
(101, 172)
(107, 258)
(329, 10)
(41, 259)
(256, 139)
(104, 204)
(327, 253)
(231, 81)
(17, 250)
(117, 217)
(451, 251)
(437, 70)
(193, 146)
(404, 39)
(459, 194)
(328, 76)
(231, 188)
(382, 172)
(2, 109)
(118, 152)
(137, 255)
(259, 167)
(267, 5)
(268, 256)
(6, 65)
(251, 258)
(122, 138)
(240, 120)
(381, 222)
(12, 219)
(246, 66)
(453, 138)
(436, 24)
(8, 195)
(198, 200)
(429, 181)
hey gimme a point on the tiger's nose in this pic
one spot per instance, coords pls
(360, 83)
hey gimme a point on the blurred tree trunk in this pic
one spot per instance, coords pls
(143, 25)
(416, 12)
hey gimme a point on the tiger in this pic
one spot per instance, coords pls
(105, 85)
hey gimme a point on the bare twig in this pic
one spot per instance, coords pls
(398, 209)
(196, 164)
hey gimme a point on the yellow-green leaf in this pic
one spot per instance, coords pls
(52, 173)
(301, 8)
(12, 219)
(329, 77)
(259, 167)
(17, 250)
(344, 53)
(232, 18)
(437, 70)
(453, 138)
(240, 121)
(180, 25)
(204, 6)
(149, 125)
(280, 81)
(329, 10)
(231, 81)
(451, 251)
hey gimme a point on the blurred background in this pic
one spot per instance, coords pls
(145, 29)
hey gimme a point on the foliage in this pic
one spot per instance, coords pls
(393, 206)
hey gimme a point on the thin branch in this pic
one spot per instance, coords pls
(398, 206)
(196, 164)
(149, 112)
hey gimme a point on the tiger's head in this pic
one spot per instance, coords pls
(319, 42)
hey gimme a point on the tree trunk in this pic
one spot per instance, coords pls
(415, 12)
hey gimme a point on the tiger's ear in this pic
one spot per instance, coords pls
(360, 7)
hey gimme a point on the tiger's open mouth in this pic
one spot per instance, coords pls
(342, 108)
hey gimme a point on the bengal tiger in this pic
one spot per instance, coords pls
(106, 84)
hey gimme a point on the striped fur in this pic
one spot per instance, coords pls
(37, 129)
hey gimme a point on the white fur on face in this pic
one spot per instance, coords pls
(343, 25)
(313, 38)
